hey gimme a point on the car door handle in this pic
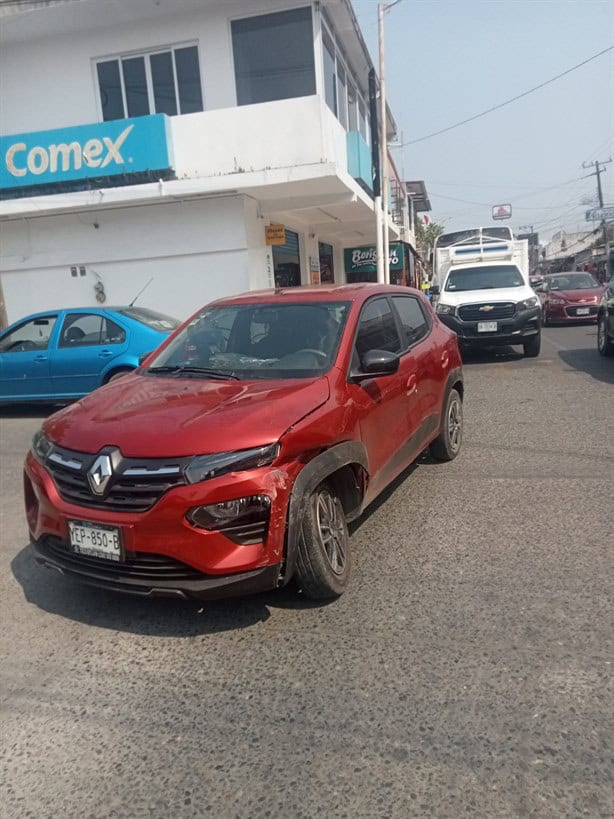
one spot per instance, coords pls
(40, 358)
(412, 383)
(105, 354)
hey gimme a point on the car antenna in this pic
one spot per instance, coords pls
(141, 291)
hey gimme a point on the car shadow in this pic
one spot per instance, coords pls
(156, 617)
(490, 355)
(587, 360)
(28, 410)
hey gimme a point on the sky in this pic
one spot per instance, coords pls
(449, 59)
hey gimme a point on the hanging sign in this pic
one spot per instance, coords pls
(275, 234)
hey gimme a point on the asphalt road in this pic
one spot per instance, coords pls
(467, 671)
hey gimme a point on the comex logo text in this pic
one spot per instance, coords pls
(65, 156)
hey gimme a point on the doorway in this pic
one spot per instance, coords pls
(287, 261)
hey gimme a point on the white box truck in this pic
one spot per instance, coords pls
(481, 281)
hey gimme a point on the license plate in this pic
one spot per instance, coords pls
(583, 311)
(95, 540)
(487, 326)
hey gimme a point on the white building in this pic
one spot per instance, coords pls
(158, 139)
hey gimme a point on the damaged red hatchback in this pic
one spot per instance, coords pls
(234, 457)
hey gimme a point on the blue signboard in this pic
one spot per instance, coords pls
(123, 146)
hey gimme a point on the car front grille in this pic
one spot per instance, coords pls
(486, 311)
(143, 567)
(572, 312)
(134, 486)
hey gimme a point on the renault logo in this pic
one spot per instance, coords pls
(486, 308)
(99, 474)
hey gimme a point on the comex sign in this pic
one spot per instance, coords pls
(107, 149)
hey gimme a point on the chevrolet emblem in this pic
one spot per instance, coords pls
(486, 308)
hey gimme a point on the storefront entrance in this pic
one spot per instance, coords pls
(327, 264)
(287, 261)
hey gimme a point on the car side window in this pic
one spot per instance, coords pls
(31, 335)
(112, 333)
(377, 328)
(81, 330)
(414, 323)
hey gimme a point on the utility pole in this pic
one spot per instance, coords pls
(382, 9)
(377, 176)
(599, 169)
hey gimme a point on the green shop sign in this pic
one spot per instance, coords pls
(364, 259)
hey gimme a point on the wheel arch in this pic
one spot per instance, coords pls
(346, 467)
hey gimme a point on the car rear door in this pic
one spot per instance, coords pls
(88, 343)
(382, 403)
(24, 359)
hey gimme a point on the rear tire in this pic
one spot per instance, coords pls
(531, 348)
(604, 345)
(323, 562)
(545, 320)
(448, 443)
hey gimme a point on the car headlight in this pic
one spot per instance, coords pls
(555, 300)
(206, 467)
(527, 304)
(446, 309)
(41, 445)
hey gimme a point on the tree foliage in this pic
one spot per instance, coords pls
(426, 235)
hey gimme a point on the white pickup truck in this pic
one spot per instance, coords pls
(481, 279)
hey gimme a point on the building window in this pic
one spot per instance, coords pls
(274, 56)
(162, 82)
(341, 88)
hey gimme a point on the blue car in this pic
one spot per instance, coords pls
(61, 355)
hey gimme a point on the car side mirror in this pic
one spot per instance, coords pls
(434, 290)
(377, 363)
(144, 356)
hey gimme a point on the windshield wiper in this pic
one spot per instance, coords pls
(189, 370)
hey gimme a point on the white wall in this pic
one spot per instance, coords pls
(195, 252)
(50, 82)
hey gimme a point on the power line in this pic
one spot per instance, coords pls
(512, 99)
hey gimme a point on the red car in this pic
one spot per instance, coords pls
(569, 297)
(235, 456)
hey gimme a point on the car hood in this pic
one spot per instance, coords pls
(159, 417)
(498, 294)
(589, 295)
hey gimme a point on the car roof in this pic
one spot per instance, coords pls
(338, 292)
(45, 313)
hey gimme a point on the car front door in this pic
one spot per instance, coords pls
(24, 359)
(426, 361)
(382, 402)
(88, 343)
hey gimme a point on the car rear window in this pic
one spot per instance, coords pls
(156, 321)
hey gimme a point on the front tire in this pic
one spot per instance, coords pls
(448, 443)
(323, 562)
(604, 345)
(531, 348)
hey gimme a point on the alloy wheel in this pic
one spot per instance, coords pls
(331, 530)
(602, 337)
(455, 424)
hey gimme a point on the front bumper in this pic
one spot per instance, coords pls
(564, 313)
(517, 329)
(164, 554)
(151, 575)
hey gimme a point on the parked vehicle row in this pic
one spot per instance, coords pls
(234, 458)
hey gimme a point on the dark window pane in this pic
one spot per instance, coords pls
(413, 320)
(330, 73)
(343, 98)
(352, 108)
(110, 90)
(273, 56)
(163, 83)
(81, 330)
(135, 85)
(112, 333)
(188, 80)
(377, 329)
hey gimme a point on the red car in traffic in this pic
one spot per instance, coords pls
(569, 297)
(233, 459)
